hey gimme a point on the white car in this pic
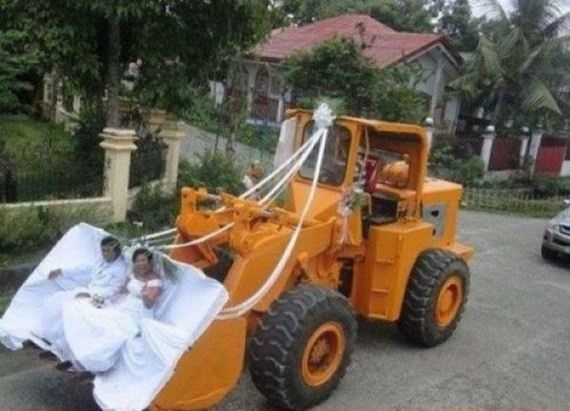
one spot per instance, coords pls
(556, 239)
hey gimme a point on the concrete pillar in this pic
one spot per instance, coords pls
(535, 140)
(172, 133)
(76, 104)
(280, 109)
(47, 87)
(524, 145)
(118, 145)
(58, 109)
(250, 84)
(436, 88)
(488, 138)
(429, 131)
(155, 119)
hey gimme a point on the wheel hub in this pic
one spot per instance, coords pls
(323, 354)
(448, 301)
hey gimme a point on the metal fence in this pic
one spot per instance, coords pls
(47, 170)
(517, 201)
(148, 162)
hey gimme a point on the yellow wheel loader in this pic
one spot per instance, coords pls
(378, 242)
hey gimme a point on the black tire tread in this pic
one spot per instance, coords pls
(273, 352)
(548, 254)
(431, 269)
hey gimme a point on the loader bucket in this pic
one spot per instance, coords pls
(208, 370)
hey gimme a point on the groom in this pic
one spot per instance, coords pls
(104, 281)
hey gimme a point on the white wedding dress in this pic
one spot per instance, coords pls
(96, 335)
(146, 344)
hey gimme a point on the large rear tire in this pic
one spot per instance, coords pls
(435, 297)
(301, 348)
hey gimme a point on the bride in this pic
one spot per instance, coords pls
(95, 334)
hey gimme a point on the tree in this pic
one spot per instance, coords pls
(337, 69)
(91, 42)
(458, 24)
(15, 63)
(517, 70)
(402, 15)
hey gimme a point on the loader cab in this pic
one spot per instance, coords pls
(386, 161)
(395, 158)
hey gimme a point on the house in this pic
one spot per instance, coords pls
(434, 56)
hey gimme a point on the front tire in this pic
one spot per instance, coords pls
(548, 254)
(302, 346)
(435, 297)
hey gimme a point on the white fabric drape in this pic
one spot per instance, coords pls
(145, 361)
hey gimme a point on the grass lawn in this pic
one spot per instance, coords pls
(22, 133)
(44, 162)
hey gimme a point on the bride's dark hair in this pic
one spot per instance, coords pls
(144, 251)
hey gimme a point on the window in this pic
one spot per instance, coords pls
(335, 157)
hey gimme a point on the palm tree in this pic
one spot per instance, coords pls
(517, 68)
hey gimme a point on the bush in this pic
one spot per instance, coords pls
(154, 208)
(442, 156)
(550, 186)
(216, 171)
(25, 230)
(260, 137)
(86, 138)
(203, 113)
(470, 171)
(444, 164)
(33, 228)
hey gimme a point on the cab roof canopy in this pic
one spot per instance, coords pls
(400, 131)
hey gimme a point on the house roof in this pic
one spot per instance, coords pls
(385, 45)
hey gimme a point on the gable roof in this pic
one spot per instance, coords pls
(385, 46)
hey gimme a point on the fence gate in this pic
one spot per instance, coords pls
(505, 154)
(551, 156)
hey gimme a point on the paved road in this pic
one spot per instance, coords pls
(512, 349)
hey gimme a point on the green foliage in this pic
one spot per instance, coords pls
(550, 186)
(471, 171)
(337, 69)
(216, 171)
(442, 156)
(44, 163)
(154, 208)
(202, 112)
(180, 44)
(15, 62)
(520, 63)
(86, 137)
(32, 228)
(444, 163)
(458, 24)
(22, 133)
(539, 208)
(261, 137)
(402, 15)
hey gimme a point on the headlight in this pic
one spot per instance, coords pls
(553, 224)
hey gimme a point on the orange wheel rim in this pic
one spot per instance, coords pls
(448, 301)
(323, 354)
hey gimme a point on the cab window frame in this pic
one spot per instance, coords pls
(339, 132)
